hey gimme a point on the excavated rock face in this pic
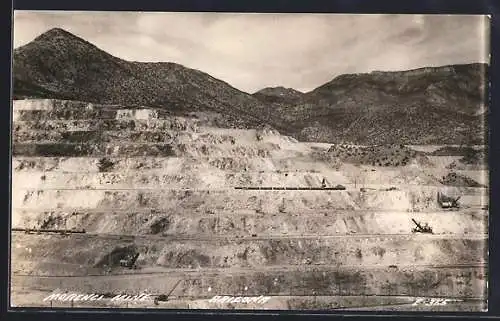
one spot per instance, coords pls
(164, 188)
(145, 158)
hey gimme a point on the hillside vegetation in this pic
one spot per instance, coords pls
(439, 105)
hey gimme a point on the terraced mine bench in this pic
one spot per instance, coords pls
(310, 244)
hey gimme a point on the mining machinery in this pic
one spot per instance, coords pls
(447, 202)
(129, 261)
(421, 228)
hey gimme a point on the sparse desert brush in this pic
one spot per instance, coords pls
(159, 225)
(455, 179)
(105, 164)
(376, 155)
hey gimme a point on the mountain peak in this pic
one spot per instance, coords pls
(56, 32)
(279, 94)
(279, 91)
(58, 35)
(58, 43)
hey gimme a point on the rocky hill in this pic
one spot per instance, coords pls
(58, 64)
(279, 95)
(441, 105)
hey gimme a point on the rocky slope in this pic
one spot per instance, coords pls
(58, 64)
(441, 105)
(279, 95)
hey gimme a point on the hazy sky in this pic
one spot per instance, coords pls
(253, 51)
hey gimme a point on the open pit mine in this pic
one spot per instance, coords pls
(117, 200)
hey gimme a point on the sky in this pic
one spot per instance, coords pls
(254, 51)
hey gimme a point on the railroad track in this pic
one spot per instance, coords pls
(157, 210)
(207, 272)
(209, 238)
(346, 187)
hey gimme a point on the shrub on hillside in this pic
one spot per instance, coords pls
(454, 179)
(105, 165)
(382, 155)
